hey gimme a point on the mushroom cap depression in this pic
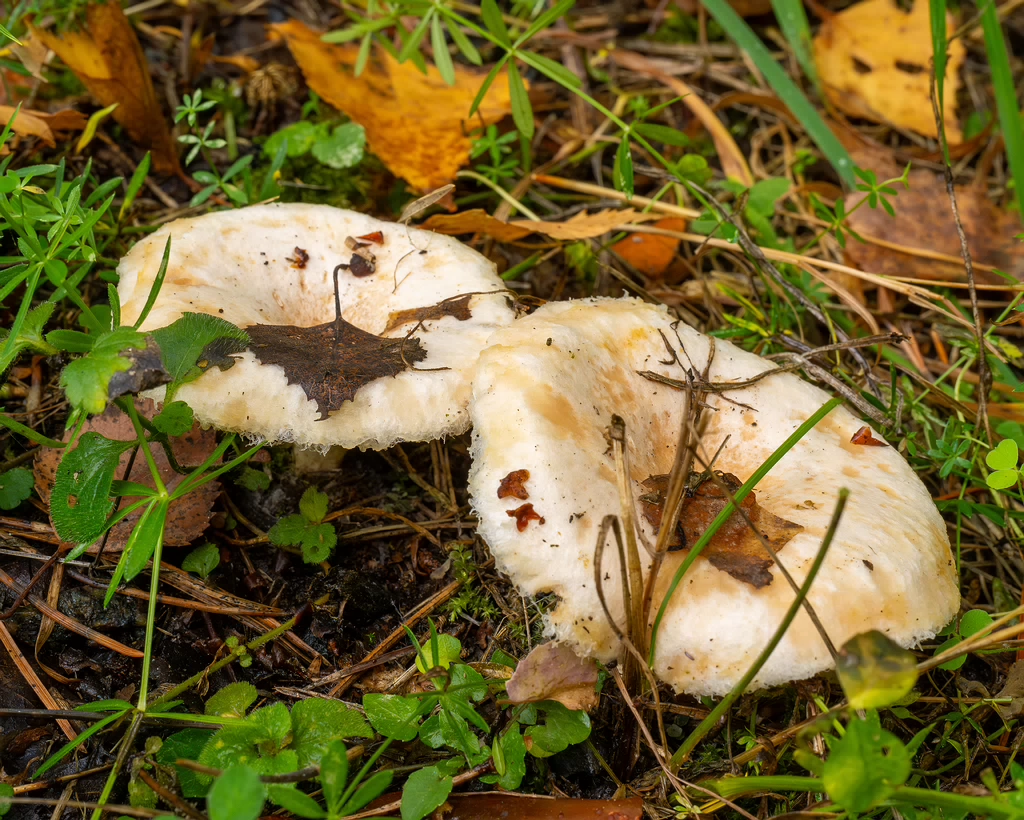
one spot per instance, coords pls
(543, 396)
(272, 265)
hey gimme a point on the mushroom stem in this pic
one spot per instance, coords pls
(337, 304)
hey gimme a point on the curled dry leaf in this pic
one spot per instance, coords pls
(582, 226)
(106, 56)
(552, 671)
(874, 60)
(188, 517)
(652, 253)
(417, 124)
(524, 515)
(925, 221)
(735, 549)
(30, 123)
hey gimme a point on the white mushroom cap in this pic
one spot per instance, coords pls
(242, 266)
(543, 396)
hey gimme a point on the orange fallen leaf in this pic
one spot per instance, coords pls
(106, 56)
(29, 123)
(582, 226)
(874, 61)
(651, 253)
(417, 125)
(924, 221)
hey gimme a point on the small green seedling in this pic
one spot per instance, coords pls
(1002, 460)
(202, 560)
(15, 487)
(307, 530)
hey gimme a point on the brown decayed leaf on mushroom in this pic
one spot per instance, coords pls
(874, 61)
(332, 361)
(514, 485)
(582, 226)
(188, 516)
(417, 124)
(107, 57)
(735, 548)
(457, 307)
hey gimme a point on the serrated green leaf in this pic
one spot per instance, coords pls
(232, 701)
(318, 722)
(314, 505)
(865, 765)
(80, 500)
(424, 791)
(392, 715)
(196, 342)
(252, 479)
(15, 487)
(86, 381)
(342, 148)
(175, 419)
(238, 794)
(202, 560)
(272, 724)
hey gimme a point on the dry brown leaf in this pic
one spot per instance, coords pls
(552, 671)
(924, 221)
(735, 548)
(417, 125)
(106, 56)
(744, 8)
(874, 61)
(582, 226)
(651, 253)
(188, 516)
(33, 54)
(29, 123)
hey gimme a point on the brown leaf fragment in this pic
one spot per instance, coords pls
(864, 437)
(146, 371)
(582, 226)
(523, 516)
(377, 238)
(299, 259)
(188, 516)
(457, 308)
(332, 361)
(511, 486)
(1013, 688)
(734, 548)
(552, 671)
(30, 123)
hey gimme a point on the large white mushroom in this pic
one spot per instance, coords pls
(543, 478)
(272, 265)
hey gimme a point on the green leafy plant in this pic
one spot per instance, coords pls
(336, 146)
(307, 530)
(15, 487)
(970, 623)
(202, 560)
(236, 181)
(1003, 460)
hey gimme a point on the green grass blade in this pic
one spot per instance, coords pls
(1006, 97)
(70, 746)
(792, 20)
(787, 90)
(937, 16)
